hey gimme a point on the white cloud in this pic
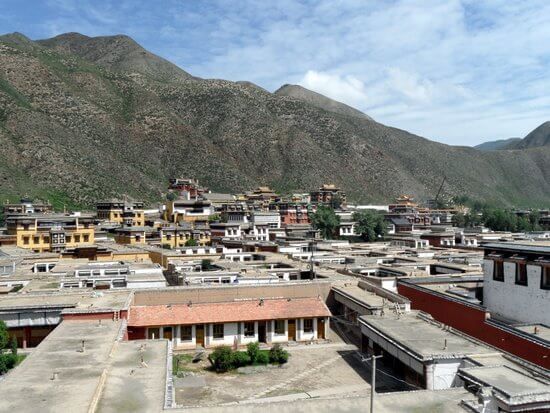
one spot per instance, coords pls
(347, 89)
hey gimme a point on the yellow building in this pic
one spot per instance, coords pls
(50, 232)
(130, 235)
(130, 213)
(177, 237)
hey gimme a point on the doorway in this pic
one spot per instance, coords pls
(291, 330)
(200, 334)
(167, 333)
(262, 334)
(321, 328)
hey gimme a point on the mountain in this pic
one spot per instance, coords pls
(540, 136)
(319, 101)
(120, 53)
(86, 118)
(497, 145)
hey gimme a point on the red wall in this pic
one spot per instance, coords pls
(135, 333)
(471, 320)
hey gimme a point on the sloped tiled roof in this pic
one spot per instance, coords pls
(227, 312)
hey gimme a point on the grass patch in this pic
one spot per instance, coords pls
(179, 362)
(9, 90)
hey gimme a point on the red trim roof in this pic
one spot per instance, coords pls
(228, 312)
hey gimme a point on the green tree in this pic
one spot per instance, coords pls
(326, 221)
(4, 337)
(370, 225)
(171, 196)
(191, 242)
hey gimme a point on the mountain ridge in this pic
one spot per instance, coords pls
(81, 126)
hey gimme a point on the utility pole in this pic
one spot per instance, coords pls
(373, 380)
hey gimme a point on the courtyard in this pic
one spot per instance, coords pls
(323, 369)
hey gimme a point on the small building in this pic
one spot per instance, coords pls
(328, 194)
(50, 232)
(517, 281)
(232, 323)
(130, 235)
(130, 213)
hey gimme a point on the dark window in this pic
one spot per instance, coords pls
(545, 278)
(308, 325)
(186, 333)
(153, 333)
(249, 330)
(280, 327)
(217, 331)
(521, 273)
(498, 270)
(86, 238)
(37, 240)
(77, 238)
(26, 240)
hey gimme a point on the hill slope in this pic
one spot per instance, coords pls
(319, 101)
(540, 136)
(78, 122)
(497, 145)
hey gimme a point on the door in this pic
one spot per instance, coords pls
(320, 328)
(167, 333)
(262, 336)
(200, 334)
(291, 330)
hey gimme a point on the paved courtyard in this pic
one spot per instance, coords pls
(316, 368)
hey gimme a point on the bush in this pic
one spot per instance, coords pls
(222, 359)
(253, 349)
(262, 358)
(278, 355)
(240, 359)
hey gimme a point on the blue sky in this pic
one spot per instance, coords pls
(459, 72)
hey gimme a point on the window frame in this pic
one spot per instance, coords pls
(278, 332)
(521, 269)
(545, 272)
(308, 330)
(500, 265)
(183, 334)
(245, 329)
(216, 334)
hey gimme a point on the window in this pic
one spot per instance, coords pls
(68, 238)
(36, 240)
(308, 325)
(47, 240)
(26, 240)
(217, 331)
(86, 238)
(498, 270)
(249, 329)
(77, 238)
(521, 273)
(186, 333)
(545, 278)
(280, 327)
(153, 333)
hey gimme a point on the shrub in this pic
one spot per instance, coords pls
(240, 359)
(222, 358)
(278, 355)
(253, 349)
(262, 358)
(14, 346)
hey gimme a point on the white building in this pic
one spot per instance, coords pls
(517, 281)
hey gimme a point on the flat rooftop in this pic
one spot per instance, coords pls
(508, 381)
(30, 388)
(542, 330)
(422, 338)
(80, 300)
(359, 294)
(130, 387)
